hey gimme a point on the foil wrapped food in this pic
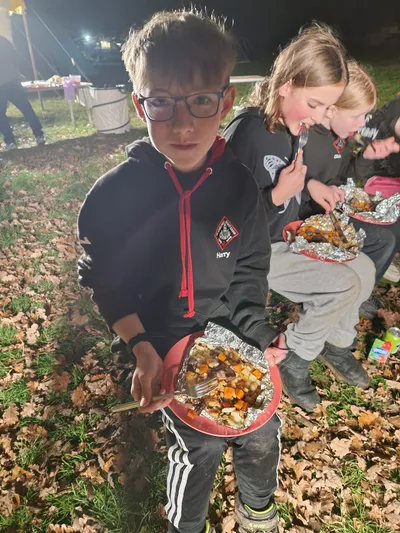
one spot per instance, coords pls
(220, 338)
(378, 211)
(324, 251)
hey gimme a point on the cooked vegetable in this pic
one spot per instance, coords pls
(239, 384)
(229, 393)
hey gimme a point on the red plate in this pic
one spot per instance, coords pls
(360, 217)
(172, 364)
(292, 228)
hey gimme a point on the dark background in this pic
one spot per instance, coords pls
(369, 29)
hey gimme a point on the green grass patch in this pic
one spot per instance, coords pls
(9, 236)
(146, 511)
(78, 431)
(7, 335)
(77, 374)
(32, 454)
(16, 393)
(44, 363)
(346, 395)
(352, 474)
(20, 521)
(69, 463)
(284, 511)
(24, 303)
(43, 286)
(109, 506)
(6, 358)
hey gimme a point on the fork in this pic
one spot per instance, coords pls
(303, 138)
(191, 391)
(337, 226)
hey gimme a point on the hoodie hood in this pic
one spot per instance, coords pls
(144, 151)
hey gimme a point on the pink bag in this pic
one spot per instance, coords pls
(387, 186)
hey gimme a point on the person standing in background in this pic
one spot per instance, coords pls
(12, 91)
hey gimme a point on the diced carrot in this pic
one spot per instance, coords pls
(245, 406)
(191, 414)
(203, 369)
(239, 404)
(221, 357)
(190, 374)
(229, 393)
(257, 373)
(238, 368)
(239, 394)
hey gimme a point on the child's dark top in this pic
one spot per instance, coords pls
(265, 153)
(331, 159)
(175, 259)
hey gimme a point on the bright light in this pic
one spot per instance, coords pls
(87, 38)
(105, 44)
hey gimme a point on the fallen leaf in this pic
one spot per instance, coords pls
(77, 319)
(341, 447)
(60, 382)
(94, 475)
(367, 419)
(32, 334)
(78, 396)
(10, 415)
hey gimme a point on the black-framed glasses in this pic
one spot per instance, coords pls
(199, 105)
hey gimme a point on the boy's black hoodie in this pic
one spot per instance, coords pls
(177, 249)
(265, 153)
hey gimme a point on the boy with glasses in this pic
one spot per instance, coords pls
(175, 236)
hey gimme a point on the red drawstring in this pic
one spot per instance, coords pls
(187, 285)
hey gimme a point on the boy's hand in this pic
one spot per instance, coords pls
(291, 180)
(277, 351)
(146, 381)
(324, 195)
(381, 149)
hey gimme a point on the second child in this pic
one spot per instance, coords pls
(308, 77)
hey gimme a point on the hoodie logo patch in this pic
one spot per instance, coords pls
(339, 144)
(225, 233)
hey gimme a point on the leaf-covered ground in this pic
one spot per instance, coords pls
(66, 465)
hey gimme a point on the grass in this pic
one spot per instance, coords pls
(44, 363)
(352, 474)
(32, 454)
(23, 303)
(78, 431)
(17, 393)
(102, 502)
(6, 358)
(7, 335)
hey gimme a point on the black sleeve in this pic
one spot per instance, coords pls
(385, 118)
(353, 166)
(248, 140)
(102, 265)
(247, 295)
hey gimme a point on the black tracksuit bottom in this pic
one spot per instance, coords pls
(193, 459)
(13, 92)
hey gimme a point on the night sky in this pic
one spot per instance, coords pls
(269, 21)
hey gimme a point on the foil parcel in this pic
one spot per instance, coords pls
(325, 250)
(220, 338)
(385, 211)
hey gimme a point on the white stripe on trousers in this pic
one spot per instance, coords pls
(179, 463)
(280, 449)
